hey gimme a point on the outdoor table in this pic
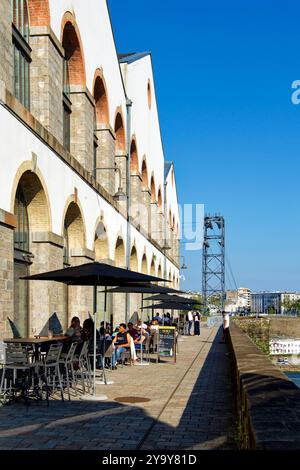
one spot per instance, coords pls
(36, 342)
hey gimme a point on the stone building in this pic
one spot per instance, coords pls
(83, 175)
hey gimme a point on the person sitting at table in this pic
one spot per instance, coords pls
(74, 330)
(142, 335)
(132, 331)
(121, 342)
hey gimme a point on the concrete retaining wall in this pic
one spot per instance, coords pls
(268, 403)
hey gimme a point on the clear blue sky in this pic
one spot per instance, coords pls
(223, 73)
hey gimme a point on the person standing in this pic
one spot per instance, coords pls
(190, 322)
(225, 327)
(196, 323)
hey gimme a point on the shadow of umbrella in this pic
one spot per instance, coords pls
(52, 324)
(14, 329)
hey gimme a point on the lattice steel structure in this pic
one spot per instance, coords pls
(213, 262)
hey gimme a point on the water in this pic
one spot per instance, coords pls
(295, 377)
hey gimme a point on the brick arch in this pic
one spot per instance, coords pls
(144, 264)
(133, 259)
(149, 94)
(39, 12)
(36, 195)
(170, 218)
(153, 189)
(72, 44)
(159, 199)
(119, 254)
(152, 267)
(144, 174)
(120, 131)
(101, 98)
(134, 161)
(101, 245)
(74, 224)
(159, 271)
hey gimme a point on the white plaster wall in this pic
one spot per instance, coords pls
(99, 50)
(171, 194)
(145, 122)
(17, 145)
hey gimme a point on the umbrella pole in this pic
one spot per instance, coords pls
(142, 363)
(104, 381)
(94, 397)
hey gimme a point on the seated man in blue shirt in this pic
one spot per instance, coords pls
(121, 342)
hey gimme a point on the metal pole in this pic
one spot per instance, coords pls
(141, 363)
(128, 200)
(94, 361)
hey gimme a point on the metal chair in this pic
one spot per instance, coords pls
(51, 368)
(84, 364)
(16, 360)
(67, 363)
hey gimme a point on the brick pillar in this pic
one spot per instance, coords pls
(119, 308)
(136, 188)
(45, 297)
(82, 127)
(121, 161)
(46, 79)
(160, 228)
(146, 212)
(7, 225)
(81, 298)
(6, 48)
(154, 221)
(105, 158)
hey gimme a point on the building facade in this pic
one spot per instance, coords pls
(284, 346)
(238, 300)
(273, 302)
(83, 171)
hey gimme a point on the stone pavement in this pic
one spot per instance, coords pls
(189, 406)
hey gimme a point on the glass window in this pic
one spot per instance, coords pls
(67, 108)
(22, 51)
(21, 234)
(66, 248)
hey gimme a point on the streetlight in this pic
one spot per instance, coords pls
(119, 195)
(183, 266)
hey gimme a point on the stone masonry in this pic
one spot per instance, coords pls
(82, 127)
(6, 48)
(46, 297)
(46, 83)
(6, 274)
(105, 158)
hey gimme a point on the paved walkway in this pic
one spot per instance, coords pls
(189, 406)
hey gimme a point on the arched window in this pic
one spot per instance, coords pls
(67, 107)
(66, 246)
(21, 50)
(21, 234)
(22, 260)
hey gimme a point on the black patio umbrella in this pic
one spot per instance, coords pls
(172, 298)
(94, 274)
(144, 289)
(171, 306)
(91, 274)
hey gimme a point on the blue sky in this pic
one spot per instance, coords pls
(223, 74)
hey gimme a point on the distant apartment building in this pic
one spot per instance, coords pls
(284, 346)
(272, 302)
(238, 300)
